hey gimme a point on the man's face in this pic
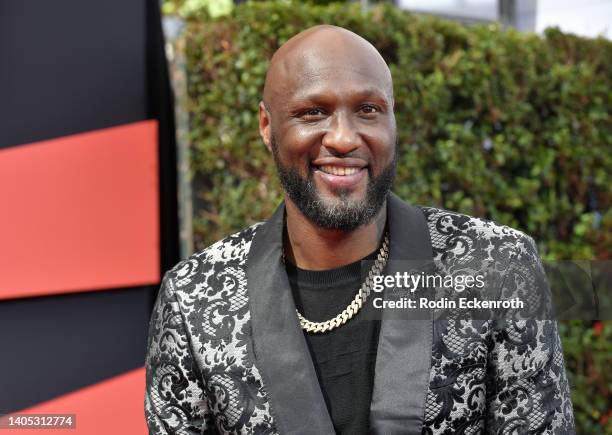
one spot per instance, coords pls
(333, 138)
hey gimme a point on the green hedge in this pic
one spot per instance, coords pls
(506, 125)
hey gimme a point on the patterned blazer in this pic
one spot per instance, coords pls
(226, 353)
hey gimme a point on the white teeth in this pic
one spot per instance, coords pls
(339, 170)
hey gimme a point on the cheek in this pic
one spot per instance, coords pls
(382, 147)
(297, 144)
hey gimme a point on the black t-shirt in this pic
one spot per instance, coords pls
(344, 358)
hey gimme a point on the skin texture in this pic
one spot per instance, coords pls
(328, 99)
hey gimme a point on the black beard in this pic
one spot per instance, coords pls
(345, 216)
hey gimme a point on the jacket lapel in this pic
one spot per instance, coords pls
(280, 349)
(404, 349)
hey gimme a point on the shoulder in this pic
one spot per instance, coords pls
(228, 254)
(209, 289)
(456, 232)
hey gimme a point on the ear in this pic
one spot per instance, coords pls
(265, 130)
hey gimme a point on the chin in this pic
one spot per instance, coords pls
(342, 198)
(353, 195)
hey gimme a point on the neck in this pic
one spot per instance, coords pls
(311, 247)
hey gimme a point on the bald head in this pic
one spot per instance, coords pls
(327, 117)
(320, 52)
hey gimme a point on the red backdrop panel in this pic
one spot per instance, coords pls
(114, 406)
(80, 212)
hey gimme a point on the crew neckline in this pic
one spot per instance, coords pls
(315, 279)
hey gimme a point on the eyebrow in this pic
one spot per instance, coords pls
(361, 94)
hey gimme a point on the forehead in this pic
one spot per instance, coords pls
(337, 82)
(336, 67)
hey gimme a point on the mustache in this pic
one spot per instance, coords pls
(385, 176)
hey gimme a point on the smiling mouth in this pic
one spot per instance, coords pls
(339, 170)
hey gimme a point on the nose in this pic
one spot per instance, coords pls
(342, 137)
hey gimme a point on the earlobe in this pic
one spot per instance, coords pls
(264, 125)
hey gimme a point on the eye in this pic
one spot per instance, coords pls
(369, 109)
(312, 114)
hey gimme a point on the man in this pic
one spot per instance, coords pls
(272, 329)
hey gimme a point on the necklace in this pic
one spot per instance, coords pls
(357, 303)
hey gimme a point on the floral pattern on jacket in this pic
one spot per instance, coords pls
(485, 377)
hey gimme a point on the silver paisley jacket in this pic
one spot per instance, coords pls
(226, 353)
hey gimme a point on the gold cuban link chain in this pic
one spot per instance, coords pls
(357, 303)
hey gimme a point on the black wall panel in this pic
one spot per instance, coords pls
(57, 344)
(68, 66)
